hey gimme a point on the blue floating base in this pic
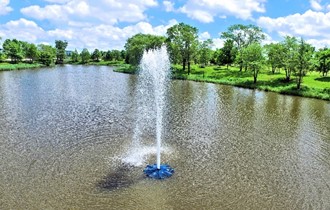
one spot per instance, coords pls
(152, 171)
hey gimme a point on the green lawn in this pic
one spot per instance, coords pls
(314, 85)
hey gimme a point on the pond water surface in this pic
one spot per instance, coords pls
(66, 138)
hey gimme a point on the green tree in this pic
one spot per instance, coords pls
(290, 49)
(304, 57)
(228, 53)
(96, 55)
(108, 56)
(1, 54)
(85, 55)
(252, 57)
(75, 56)
(137, 44)
(13, 50)
(183, 43)
(323, 61)
(205, 52)
(47, 54)
(275, 55)
(60, 50)
(122, 55)
(31, 52)
(242, 36)
(215, 56)
(116, 55)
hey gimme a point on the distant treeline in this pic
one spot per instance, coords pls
(242, 47)
(16, 51)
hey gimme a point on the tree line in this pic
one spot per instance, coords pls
(97, 55)
(242, 47)
(17, 51)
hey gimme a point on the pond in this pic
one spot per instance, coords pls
(66, 136)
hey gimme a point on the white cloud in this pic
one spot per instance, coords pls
(61, 34)
(204, 36)
(319, 43)
(101, 36)
(205, 10)
(55, 12)
(198, 14)
(268, 39)
(106, 11)
(310, 24)
(218, 43)
(110, 37)
(313, 26)
(315, 4)
(169, 6)
(22, 29)
(4, 8)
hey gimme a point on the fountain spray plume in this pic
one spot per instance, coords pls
(155, 65)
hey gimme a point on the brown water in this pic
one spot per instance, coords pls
(66, 133)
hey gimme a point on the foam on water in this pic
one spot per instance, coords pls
(138, 156)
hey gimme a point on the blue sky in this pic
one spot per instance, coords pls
(106, 24)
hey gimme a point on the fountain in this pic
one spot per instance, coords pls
(153, 82)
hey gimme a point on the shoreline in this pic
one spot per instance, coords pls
(286, 89)
(19, 66)
(267, 86)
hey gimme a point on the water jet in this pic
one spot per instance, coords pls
(154, 79)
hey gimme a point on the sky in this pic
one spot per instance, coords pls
(107, 24)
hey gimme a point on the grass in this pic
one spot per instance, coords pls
(18, 66)
(313, 86)
(126, 68)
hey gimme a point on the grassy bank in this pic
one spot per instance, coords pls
(120, 65)
(18, 66)
(314, 85)
(97, 63)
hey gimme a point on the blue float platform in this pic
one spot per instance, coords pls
(152, 171)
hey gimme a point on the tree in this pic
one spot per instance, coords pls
(1, 54)
(323, 61)
(252, 57)
(122, 54)
(116, 55)
(31, 52)
(75, 56)
(108, 56)
(85, 55)
(228, 53)
(46, 53)
(205, 52)
(215, 59)
(137, 44)
(290, 49)
(60, 50)
(13, 50)
(242, 36)
(183, 43)
(96, 55)
(304, 56)
(275, 55)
